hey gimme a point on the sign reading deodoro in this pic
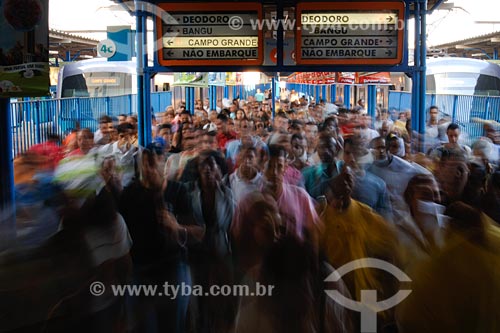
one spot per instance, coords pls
(24, 54)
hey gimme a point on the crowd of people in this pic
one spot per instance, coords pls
(236, 196)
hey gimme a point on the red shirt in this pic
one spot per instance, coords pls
(224, 138)
(51, 151)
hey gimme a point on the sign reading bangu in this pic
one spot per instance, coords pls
(350, 33)
(210, 34)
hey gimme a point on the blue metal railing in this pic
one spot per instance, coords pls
(460, 108)
(33, 120)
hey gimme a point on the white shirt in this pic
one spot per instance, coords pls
(242, 188)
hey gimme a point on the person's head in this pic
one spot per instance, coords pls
(379, 149)
(331, 125)
(393, 144)
(169, 115)
(328, 148)
(281, 122)
(247, 160)
(420, 188)
(188, 137)
(240, 114)
(340, 189)
(165, 132)
(318, 113)
(132, 120)
(122, 119)
(85, 140)
(453, 173)
(221, 123)
(209, 171)
(212, 116)
(492, 132)
(482, 149)
(311, 131)
(255, 228)
(453, 133)
(185, 117)
(245, 127)
(105, 125)
(208, 140)
(276, 166)
(361, 102)
(108, 168)
(433, 115)
(260, 126)
(151, 176)
(350, 153)
(125, 132)
(299, 145)
(296, 127)
(385, 129)
(383, 115)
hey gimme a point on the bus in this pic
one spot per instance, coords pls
(98, 77)
(462, 76)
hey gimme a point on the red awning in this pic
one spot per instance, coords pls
(375, 78)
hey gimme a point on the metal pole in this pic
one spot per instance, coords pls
(372, 100)
(415, 96)
(423, 63)
(140, 71)
(7, 202)
(147, 87)
(273, 96)
(347, 96)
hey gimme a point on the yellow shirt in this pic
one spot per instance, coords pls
(356, 233)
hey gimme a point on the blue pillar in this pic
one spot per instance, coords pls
(318, 93)
(147, 122)
(423, 67)
(212, 97)
(333, 93)
(323, 93)
(273, 96)
(347, 96)
(139, 37)
(372, 100)
(7, 204)
(190, 99)
(495, 53)
(418, 113)
(226, 92)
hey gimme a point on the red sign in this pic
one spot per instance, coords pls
(375, 78)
